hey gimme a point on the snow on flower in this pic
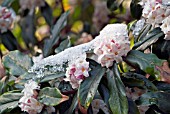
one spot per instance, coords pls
(77, 72)
(112, 47)
(29, 101)
(6, 19)
(165, 27)
(31, 4)
(155, 12)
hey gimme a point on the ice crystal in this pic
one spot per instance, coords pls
(56, 63)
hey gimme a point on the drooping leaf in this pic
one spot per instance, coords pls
(146, 83)
(17, 63)
(117, 101)
(51, 96)
(136, 9)
(158, 98)
(9, 40)
(113, 4)
(148, 40)
(145, 62)
(47, 13)
(60, 24)
(63, 45)
(9, 101)
(89, 86)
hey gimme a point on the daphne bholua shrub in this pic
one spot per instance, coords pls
(111, 73)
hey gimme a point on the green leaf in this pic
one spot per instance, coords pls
(63, 45)
(73, 105)
(9, 101)
(158, 98)
(9, 40)
(60, 24)
(47, 13)
(51, 96)
(148, 40)
(17, 63)
(133, 109)
(146, 83)
(145, 62)
(28, 28)
(7, 3)
(89, 86)
(136, 9)
(52, 77)
(163, 86)
(117, 101)
(113, 4)
(131, 24)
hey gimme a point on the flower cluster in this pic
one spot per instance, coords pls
(31, 4)
(112, 47)
(5, 19)
(77, 72)
(158, 14)
(29, 101)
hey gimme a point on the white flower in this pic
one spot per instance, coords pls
(165, 27)
(30, 87)
(31, 4)
(113, 46)
(30, 105)
(138, 27)
(6, 19)
(29, 101)
(77, 72)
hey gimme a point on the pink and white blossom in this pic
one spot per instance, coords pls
(77, 72)
(112, 47)
(165, 27)
(29, 101)
(6, 19)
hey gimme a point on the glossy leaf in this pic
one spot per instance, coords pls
(52, 77)
(148, 40)
(117, 101)
(9, 40)
(60, 24)
(146, 83)
(113, 4)
(145, 62)
(9, 101)
(89, 86)
(63, 45)
(17, 63)
(158, 98)
(47, 13)
(51, 96)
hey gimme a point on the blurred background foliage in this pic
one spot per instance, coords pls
(85, 19)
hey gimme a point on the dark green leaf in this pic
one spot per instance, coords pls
(51, 96)
(89, 86)
(63, 45)
(145, 62)
(52, 77)
(131, 24)
(28, 28)
(60, 24)
(9, 40)
(162, 86)
(136, 9)
(7, 3)
(117, 101)
(148, 40)
(146, 83)
(113, 4)
(47, 13)
(158, 98)
(9, 101)
(17, 63)
(73, 105)
(133, 109)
